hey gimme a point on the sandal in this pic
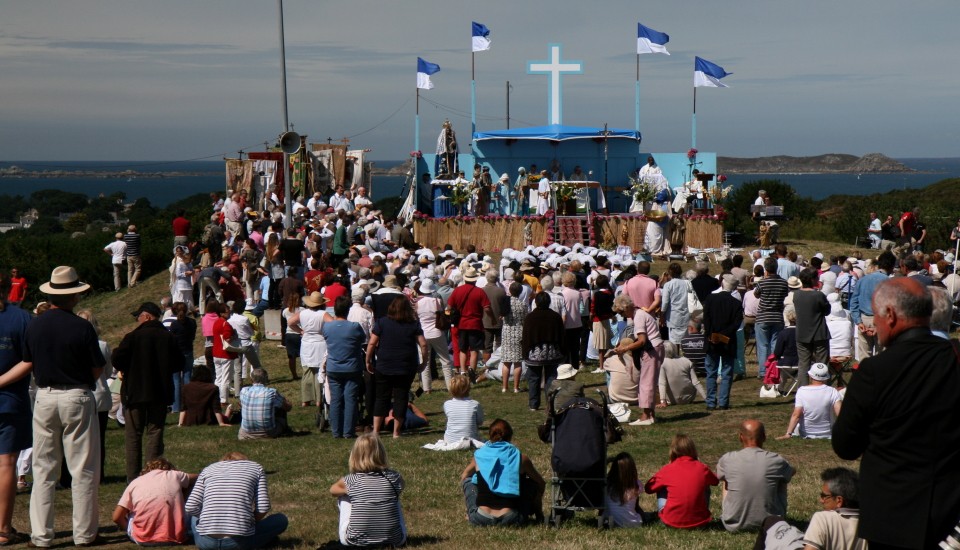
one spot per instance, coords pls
(13, 537)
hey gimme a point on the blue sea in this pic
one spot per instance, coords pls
(161, 191)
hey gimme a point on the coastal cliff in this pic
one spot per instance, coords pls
(873, 163)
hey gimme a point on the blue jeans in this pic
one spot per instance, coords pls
(344, 390)
(181, 379)
(766, 342)
(268, 529)
(534, 375)
(513, 517)
(723, 364)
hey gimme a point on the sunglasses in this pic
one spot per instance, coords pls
(825, 496)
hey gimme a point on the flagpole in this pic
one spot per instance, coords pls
(636, 99)
(694, 136)
(287, 193)
(473, 95)
(416, 127)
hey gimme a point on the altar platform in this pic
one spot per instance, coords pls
(494, 233)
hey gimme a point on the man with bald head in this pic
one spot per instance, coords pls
(899, 416)
(754, 481)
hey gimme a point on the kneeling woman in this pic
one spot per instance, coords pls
(369, 498)
(501, 485)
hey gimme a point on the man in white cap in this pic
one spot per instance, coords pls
(63, 353)
(817, 406)
(565, 386)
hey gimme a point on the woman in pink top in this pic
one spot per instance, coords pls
(647, 349)
(206, 328)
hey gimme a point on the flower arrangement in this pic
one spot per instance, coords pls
(416, 154)
(721, 178)
(640, 191)
(460, 194)
(692, 153)
(420, 216)
(565, 191)
(719, 193)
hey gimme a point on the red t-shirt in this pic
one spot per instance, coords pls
(470, 301)
(222, 329)
(909, 222)
(686, 481)
(332, 292)
(18, 289)
(181, 227)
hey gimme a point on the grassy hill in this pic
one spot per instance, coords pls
(301, 469)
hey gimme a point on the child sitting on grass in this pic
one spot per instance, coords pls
(622, 500)
(683, 486)
(464, 415)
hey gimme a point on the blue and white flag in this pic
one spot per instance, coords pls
(651, 41)
(481, 37)
(424, 70)
(707, 74)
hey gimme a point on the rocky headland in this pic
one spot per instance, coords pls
(873, 163)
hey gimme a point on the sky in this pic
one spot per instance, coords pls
(180, 79)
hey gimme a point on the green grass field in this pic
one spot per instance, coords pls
(302, 468)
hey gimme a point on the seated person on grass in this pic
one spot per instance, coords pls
(464, 415)
(565, 386)
(200, 400)
(683, 486)
(151, 508)
(369, 498)
(622, 501)
(833, 528)
(501, 485)
(678, 382)
(817, 406)
(263, 411)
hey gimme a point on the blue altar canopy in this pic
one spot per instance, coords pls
(557, 132)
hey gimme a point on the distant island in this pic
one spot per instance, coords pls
(873, 163)
(17, 172)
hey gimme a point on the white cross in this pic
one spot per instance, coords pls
(555, 68)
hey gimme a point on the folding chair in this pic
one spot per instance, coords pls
(788, 375)
(839, 367)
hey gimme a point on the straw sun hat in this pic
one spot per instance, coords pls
(64, 280)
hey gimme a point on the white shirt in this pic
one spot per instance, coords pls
(647, 170)
(118, 249)
(817, 403)
(543, 196)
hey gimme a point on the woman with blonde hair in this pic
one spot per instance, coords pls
(683, 486)
(647, 351)
(369, 497)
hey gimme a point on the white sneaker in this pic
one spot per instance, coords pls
(647, 422)
(597, 371)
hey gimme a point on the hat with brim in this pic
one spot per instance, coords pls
(793, 282)
(470, 275)
(427, 286)
(314, 299)
(526, 266)
(566, 371)
(64, 280)
(819, 372)
(390, 281)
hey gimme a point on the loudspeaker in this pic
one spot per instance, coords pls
(290, 142)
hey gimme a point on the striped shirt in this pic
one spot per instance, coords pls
(464, 416)
(133, 243)
(772, 292)
(375, 518)
(226, 496)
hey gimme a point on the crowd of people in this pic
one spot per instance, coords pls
(369, 315)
